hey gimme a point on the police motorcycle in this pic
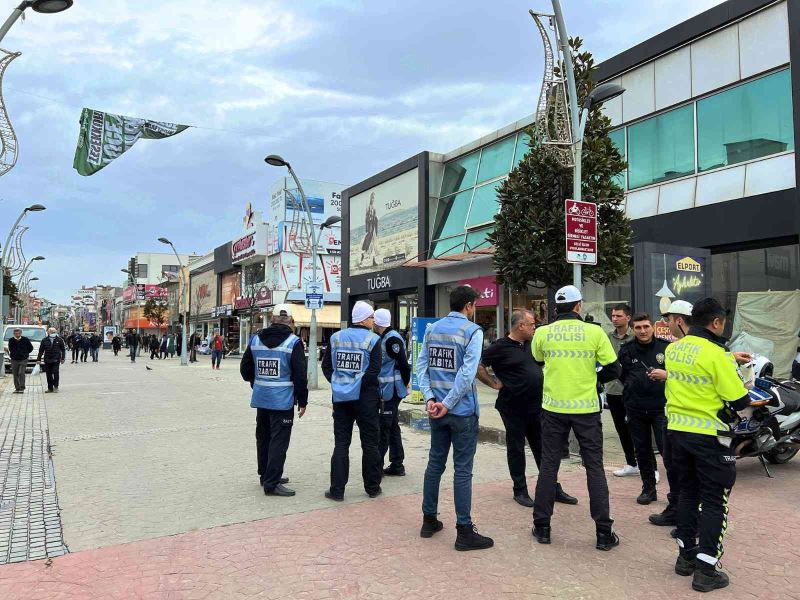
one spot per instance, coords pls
(770, 427)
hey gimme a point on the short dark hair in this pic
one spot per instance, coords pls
(461, 296)
(706, 310)
(566, 307)
(642, 316)
(623, 307)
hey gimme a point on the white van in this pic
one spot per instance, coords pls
(35, 333)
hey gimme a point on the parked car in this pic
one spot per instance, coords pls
(35, 333)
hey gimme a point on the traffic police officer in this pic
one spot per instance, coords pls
(393, 380)
(703, 388)
(275, 365)
(570, 350)
(352, 365)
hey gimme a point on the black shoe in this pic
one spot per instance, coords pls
(279, 490)
(430, 525)
(395, 471)
(542, 534)
(685, 565)
(708, 578)
(607, 540)
(468, 538)
(667, 518)
(48, 391)
(374, 493)
(284, 480)
(523, 499)
(564, 497)
(330, 496)
(647, 496)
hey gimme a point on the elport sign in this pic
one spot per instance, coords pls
(580, 219)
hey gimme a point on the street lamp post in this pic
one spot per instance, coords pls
(185, 333)
(131, 281)
(578, 119)
(40, 6)
(277, 161)
(18, 311)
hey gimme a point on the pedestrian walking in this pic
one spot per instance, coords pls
(393, 381)
(116, 344)
(154, 346)
(52, 354)
(19, 349)
(163, 347)
(703, 390)
(621, 334)
(570, 350)
(644, 401)
(86, 344)
(171, 346)
(518, 380)
(352, 365)
(95, 341)
(275, 366)
(132, 340)
(76, 344)
(194, 339)
(217, 349)
(143, 343)
(178, 341)
(448, 363)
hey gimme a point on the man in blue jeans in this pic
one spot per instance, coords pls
(448, 363)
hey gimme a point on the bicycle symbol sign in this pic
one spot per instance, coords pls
(581, 229)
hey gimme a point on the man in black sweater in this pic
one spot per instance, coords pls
(644, 399)
(19, 348)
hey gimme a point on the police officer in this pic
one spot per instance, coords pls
(570, 349)
(352, 364)
(393, 380)
(702, 389)
(275, 365)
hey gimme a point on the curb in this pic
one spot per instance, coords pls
(417, 418)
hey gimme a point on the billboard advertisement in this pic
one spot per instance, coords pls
(383, 224)
(330, 240)
(289, 271)
(324, 200)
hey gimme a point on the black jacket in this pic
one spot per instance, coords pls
(19, 349)
(52, 349)
(640, 393)
(272, 336)
(369, 381)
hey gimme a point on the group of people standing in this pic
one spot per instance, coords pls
(83, 345)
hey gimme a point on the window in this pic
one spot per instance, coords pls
(523, 147)
(460, 174)
(448, 246)
(476, 240)
(484, 204)
(496, 159)
(661, 148)
(745, 122)
(171, 269)
(618, 139)
(141, 271)
(452, 215)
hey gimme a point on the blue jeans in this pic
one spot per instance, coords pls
(95, 353)
(216, 357)
(462, 434)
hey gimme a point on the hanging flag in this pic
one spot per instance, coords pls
(103, 137)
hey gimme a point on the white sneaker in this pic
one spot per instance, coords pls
(626, 471)
(658, 477)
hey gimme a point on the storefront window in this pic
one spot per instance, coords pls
(452, 214)
(460, 174)
(484, 204)
(745, 122)
(661, 148)
(496, 159)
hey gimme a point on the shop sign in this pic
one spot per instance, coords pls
(486, 287)
(224, 310)
(243, 248)
(379, 282)
(262, 298)
(581, 226)
(779, 263)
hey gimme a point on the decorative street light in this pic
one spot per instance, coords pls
(41, 6)
(185, 333)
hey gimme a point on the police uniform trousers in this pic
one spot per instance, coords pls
(707, 471)
(273, 432)
(588, 429)
(522, 427)
(644, 426)
(391, 439)
(365, 414)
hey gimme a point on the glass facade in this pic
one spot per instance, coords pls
(745, 122)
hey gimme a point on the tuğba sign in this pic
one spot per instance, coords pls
(581, 226)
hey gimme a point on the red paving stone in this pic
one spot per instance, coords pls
(372, 550)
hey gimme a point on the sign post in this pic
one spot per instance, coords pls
(580, 220)
(314, 295)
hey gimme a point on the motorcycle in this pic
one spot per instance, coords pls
(770, 427)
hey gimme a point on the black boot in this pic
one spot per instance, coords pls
(564, 497)
(708, 578)
(648, 495)
(685, 565)
(606, 540)
(468, 538)
(394, 470)
(430, 525)
(667, 518)
(541, 533)
(523, 499)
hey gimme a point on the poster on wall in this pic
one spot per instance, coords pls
(674, 277)
(383, 224)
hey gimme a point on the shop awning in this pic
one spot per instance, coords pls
(479, 251)
(142, 324)
(329, 316)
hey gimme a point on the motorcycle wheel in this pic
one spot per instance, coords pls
(782, 457)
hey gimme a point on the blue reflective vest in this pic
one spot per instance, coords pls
(390, 381)
(447, 342)
(350, 349)
(273, 388)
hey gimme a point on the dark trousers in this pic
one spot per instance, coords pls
(51, 371)
(522, 427)
(116, 350)
(588, 429)
(133, 349)
(75, 353)
(273, 432)
(365, 414)
(18, 371)
(643, 428)
(153, 353)
(391, 439)
(707, 472)
(674, 494)
(84, 354)
(617, 409)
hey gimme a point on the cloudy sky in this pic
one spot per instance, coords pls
(343, 88)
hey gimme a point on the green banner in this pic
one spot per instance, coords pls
(104, 137)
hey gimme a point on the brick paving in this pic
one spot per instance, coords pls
(30, 525)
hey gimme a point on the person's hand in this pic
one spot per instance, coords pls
(440, 410)
(742, 358)
(657, 375)
(498, 385)
(430, 407)
(301, 410)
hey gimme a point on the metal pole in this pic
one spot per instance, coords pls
(16, 14)
(184, 356)
(313, 381)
